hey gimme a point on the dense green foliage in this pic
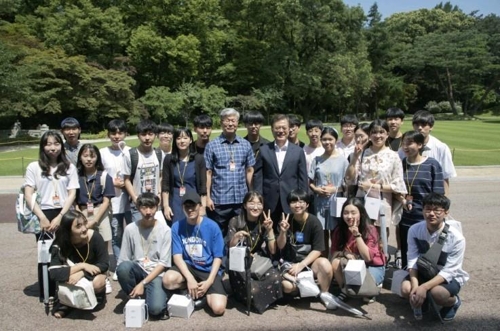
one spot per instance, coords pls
(171, 60)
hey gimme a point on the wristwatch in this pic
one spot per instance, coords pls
(144, 283)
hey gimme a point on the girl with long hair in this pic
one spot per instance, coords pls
(86, 249)
(356, 238)
(55, 180)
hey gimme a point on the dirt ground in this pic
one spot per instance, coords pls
(474, 203)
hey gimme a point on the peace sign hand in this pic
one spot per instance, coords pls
(268, 222)
(284, 225)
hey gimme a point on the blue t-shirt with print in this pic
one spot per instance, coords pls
(199, 244)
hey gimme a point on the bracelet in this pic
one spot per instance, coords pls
(358, 235)
(271, 238)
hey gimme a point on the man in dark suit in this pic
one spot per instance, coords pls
(283, 169)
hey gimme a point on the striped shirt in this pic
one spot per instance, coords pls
(420, 179)
(228, 187)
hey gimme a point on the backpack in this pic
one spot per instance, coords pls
(27, 221)
(134, 160)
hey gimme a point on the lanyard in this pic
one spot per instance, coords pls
(408, 178)
(84, 260)
(89, 192)
(230, 150)
(301, 230)
(254, 244)
(145, 250)
(183, 173)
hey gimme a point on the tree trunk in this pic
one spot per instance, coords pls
(450, 92)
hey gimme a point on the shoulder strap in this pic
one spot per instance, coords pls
(134, 160)
(103, 180)
(159, 157)
(434, 251)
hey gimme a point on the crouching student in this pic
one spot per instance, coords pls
(144, 256)
(87, 252)
(301, 242)
(356, 239)
(445, 286)
(197, 249)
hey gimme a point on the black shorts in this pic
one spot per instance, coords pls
(216, 288)
(453, 287)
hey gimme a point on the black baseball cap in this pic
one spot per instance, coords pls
(191, 196)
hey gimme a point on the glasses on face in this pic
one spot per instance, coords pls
(436, 211)
(348, 126)
(298, 202)
(253, 205)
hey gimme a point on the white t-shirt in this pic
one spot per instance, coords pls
(147, 174)
(114, 163)
(346, 150)
(311, 153)
(49, 187)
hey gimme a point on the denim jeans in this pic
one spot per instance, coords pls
(117, 229)
(130, 274)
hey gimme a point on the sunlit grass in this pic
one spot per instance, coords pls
(472, 143)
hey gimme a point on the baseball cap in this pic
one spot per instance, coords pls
(191, 196)
(70, 122)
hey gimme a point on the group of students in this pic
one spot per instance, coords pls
(190, 199)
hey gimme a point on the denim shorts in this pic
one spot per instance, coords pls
(378, 274)
(453, 287)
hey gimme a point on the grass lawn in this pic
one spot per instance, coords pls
(472, 143)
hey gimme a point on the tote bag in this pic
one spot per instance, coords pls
(80, 296)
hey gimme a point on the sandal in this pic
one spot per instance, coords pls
(61, 311)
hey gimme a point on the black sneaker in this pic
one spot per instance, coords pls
(200, 303)
(165, 315)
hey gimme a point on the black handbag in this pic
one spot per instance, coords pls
(427, 263)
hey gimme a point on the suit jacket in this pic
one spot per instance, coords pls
(275, 185)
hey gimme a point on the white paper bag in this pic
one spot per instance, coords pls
(180, 306)
(355, 272)
(237, 257)
(336, 204)
(306, 284)
(397, 280)
(372, 205)
(135, 313)
(44, 242)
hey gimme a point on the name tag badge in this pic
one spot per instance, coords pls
(56, 201)
(299, 237)
(232, 166)
(182, 191)
(90, 208)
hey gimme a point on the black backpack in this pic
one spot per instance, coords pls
(134, 160)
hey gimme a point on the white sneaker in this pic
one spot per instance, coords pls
(328, 300)
(109, 289)
(114, 277)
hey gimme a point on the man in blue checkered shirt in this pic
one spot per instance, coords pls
(230, 160)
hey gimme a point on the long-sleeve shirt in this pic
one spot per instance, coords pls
(452, 255)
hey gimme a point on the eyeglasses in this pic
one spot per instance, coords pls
(349, 126)
(254, 205)
(437, 211)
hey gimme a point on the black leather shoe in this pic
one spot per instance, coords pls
(165, 315)
(200, 303)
